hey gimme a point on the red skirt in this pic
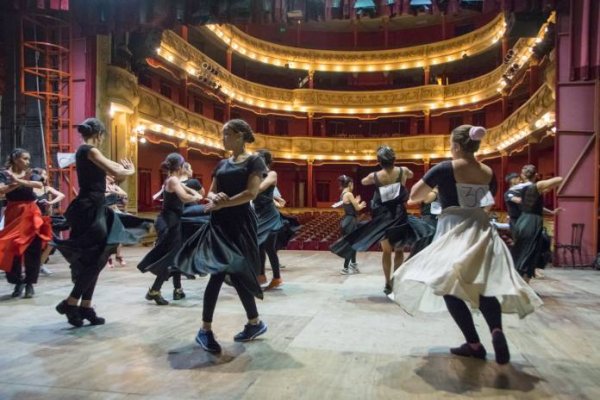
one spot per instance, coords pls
(23, 221)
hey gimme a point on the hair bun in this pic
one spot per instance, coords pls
(477, 133)
(84, 128)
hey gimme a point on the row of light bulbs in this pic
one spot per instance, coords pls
(547, 120)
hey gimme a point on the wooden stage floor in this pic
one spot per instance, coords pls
(330, 337)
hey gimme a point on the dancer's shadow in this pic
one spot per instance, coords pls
(235, 355)
(457, 375)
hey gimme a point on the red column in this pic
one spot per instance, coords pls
(405, 7)
(504, 46)
(426, 165)
(444, 29)
(386, 31)
(352, 10)
(311, 80)
(503, 171)
(309, 123)
(328, 4)
(426, 74)
(184, 149)
(309, 183)
(534, 77)
(427, 114)
(323, 128)
(183, 91)
(298, 29)
(504, 106)
(227, 109)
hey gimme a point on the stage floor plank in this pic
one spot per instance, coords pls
(330, 337)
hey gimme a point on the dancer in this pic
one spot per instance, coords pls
(228, 244)
(26, 230)
(430, 209)
(512, 199)
(47, 197)
(270, 224)
(95, 230)
(389, 225)
(352, 205)
(467, 262)
(530, 243)
(168, 225)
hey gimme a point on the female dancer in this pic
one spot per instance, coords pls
(228, 244)
(270, 224)
(467, 261)
(530, 243)
(389, 225)
(352, 205)
(47, 197)
(95, 230)
(168, 225)
(25, 229)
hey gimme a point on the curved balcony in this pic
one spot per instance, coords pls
(360, 61)
(183, 55)
(163, 117)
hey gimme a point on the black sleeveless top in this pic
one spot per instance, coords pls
(533, 202)
(393, 205)
(172, 203)
(21, 193)
(91, 178)
(348, 207)
(265, 198)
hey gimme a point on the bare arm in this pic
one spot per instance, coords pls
(4, 189)
(548, 184)
(221, 200)
(270, 180)
(406, 174)
(173, 185)
(118, 170)
(358, 205)
(419, 191)
(369, 179)
(57, 196)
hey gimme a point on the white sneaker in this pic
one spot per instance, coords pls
(354, 267)
(346, 271)
(45, 271)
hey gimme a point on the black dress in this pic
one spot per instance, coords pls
(388, 221)
(349, 221)
(269, 218)
(194, 215)
(530, 244)
(95, 230)
(229, 242)
(168, 227)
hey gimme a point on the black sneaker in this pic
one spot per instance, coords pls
(178, 294)
(465, 350)
(90, 314)
(157, 297)
(251, 332)
(72, 313)
(29, 292)
(18, 292)
(207, 341)
(500, 347)
(387, 289)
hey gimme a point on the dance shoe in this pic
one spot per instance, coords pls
(18, 292)
(90, 314)
(354, 268)
(29, 292)
(262, 279)
(157, 297)
(500, 347)
(275, 283)
(207, 341)
(465, 350)
(178, 294)
(72, 313)
(250, 332)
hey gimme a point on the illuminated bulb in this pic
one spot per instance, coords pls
(142, 140)
(169, 57)
(191, 71)
(158, 50)
(132, 139)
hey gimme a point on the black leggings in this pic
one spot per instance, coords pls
(352, 259)
(162, 278)
(211, 293)
(269, 248)
(33, 261)
(85, 284)
(489, 307)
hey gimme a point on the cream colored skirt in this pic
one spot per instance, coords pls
(466, 259)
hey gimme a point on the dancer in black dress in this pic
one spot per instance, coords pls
(228, 244)
(160, 260)
(530, 243)
(95, 230)
(25, 230)
(270, 224)
(352, 205)
(194, 214)
(389, 225)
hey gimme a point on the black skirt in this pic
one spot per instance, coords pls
(161, 258)
(95, 234)
(530, 244)
(227, 244)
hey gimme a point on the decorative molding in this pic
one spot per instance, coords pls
(182, 54)
(121, 87)
(359, 61)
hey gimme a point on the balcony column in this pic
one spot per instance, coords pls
(382, 8)
(532, 154)
(309, 183)
(427, 121)
(298, 30)
(323, 128)
(311, 80)
(504, 105)
(386, 31)
(328, 4)
(352, 10)
(426, 74)
(534, 76)
(229, 58)
(505, 45)
(183, 149)
(503, 171)
(426, 165)
(183, 90)
(444, 29)
(309, 123)
(227, 109)
(405, 7)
